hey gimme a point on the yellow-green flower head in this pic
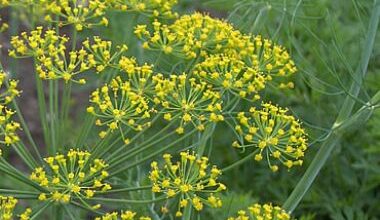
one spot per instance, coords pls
(9, 91)
(38, 43)
(71, 176)
(155, 8)
(262, 212)
(101, 53)
(26, 214)
(188, 101)
(117, 105)
(190, 181)
(7, 204)
(124, 215)
(50, 53)
(81, 14)
(195, 35)
(229, 73)
(140, 77)
(271, 60)
(9, 128)
(276, 136)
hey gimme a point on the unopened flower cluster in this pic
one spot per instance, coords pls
(71, 176)
(189, 181)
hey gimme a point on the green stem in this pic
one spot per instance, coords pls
(158, 151)
(324, 152)
(42, 109)
(205, 136)
(26, 129)
(241, 161)
(128, 201)
(129, 189)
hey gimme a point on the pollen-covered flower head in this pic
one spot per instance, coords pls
(230, 74)
(116, 106)
(188, 101)
(155, 8)
(262, 212)
(81, 14)
(7, 205)
(189, 181)
(101, 53)
(276, 136)
(72, 176)
(124, 215)
(53, 59)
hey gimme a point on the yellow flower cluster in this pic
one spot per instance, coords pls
(140, 77)
(202, 37)
(124, 215)
(26, 214)
(117, 105)
(190, 180)
(81, 14)
(71, 176)
(8, 133)
(156, 8)
(102, 54)
(262, 212)
(187, 100)
(7, 204)
(49, 50)
(194, 35)
(55, 61)
(274, 133)
(230, 74)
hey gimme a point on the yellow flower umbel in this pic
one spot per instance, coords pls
(124, 215)
(195, 35)
(7, 204)
(155, 8)
(9, 128)
(276, 135)
(81, 14)
(73, 176)
(140, 77)
(191, 181)
(262, 212)
(272, 61)
(188, 101)
(117, 106)
(230, 74)
(102, 54)
(49, 51)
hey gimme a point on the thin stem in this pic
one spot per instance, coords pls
(127, 201)
(324, 152)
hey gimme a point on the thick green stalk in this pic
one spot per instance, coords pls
(344, 115)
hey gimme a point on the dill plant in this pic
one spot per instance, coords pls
(160, 114)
